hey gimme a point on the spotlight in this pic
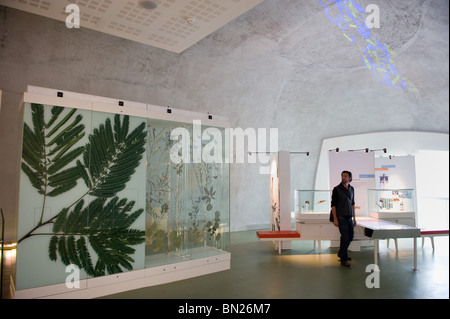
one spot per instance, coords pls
(148, 5)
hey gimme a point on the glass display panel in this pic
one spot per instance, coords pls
(187, 209)
(100, 194)
(312, 201)
(49, 187)
(391, 200)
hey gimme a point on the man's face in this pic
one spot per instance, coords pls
(345, 177)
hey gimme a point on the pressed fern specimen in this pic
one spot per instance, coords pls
(105, 226)
(109, 160)
(111, 157)
(48, 149)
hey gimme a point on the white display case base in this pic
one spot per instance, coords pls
(107, 285)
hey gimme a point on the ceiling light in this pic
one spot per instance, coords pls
(147, 4)
(190, 20)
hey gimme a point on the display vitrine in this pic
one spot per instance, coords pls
(312, 201)
(395, 205)
(312, 213)
(111, 194)
(187, 204)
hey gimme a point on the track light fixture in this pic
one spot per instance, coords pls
(268, 153)
(367, 150)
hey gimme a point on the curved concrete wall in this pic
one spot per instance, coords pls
(284, 64)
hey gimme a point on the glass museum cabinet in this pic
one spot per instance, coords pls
(394, 205)
(312, 219)
(108, 201)
(312, 213)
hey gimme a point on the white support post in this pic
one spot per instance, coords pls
(415, 253)
(280, 193)
(375, 251)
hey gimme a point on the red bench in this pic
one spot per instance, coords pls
(277, 236)
(431, 233)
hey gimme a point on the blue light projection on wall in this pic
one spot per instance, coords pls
(376, 56)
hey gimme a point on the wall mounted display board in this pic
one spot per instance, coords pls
(280, 193)
(395, 172)
(362, 166)
(106, 204)
(432, 189)
(394, 198)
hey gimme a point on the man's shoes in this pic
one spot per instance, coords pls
(339, 255)
(345, 264)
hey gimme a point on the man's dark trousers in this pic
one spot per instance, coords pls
(347, 232)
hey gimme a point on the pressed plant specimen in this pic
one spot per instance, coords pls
(54, 159)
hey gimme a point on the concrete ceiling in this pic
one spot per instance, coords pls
(174, 25)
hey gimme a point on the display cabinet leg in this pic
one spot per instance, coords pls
(395, 242)
(415, 253)
(375, 251)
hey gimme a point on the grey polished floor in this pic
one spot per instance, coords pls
(257, 271)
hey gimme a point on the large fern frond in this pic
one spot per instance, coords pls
(111, 157)
(48, 148)
(105, 227)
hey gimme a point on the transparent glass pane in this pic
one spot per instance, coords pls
(100, 194)
(187, 213)
(49, 187)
